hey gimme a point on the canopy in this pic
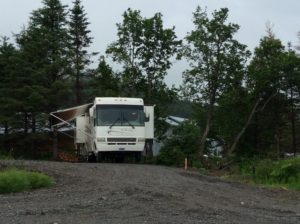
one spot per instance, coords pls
(63, 116)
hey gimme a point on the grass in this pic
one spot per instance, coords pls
(14, 180)
(5, 156)
(283, 173)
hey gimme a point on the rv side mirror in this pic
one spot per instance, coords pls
(146, 118)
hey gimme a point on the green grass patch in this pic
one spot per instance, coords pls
(5, 155)
(284, 173)
(14, 180)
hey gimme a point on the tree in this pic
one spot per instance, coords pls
(145, 49)
(264, 78)
(7, 102)
(104, 81)
(290, 85)
(43, 65)
(44, 46)
(80, 41)
(216, 60)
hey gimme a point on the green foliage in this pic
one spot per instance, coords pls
(4, 155)
(80, 41)
(104, 82)
(179, 146)
(50, 60)
(44, 54)
(283, 172)
(19, 180)
(171, 156)
(217, 62)
(216, 58)
(144, 48)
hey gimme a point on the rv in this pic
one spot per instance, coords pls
(110, 127)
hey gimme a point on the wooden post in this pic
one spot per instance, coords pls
(185, 164)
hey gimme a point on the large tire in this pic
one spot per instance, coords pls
(92, 158)
(100, 157)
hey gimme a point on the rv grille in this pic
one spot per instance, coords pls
(121, 139)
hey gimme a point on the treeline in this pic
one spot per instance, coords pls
(249, 102)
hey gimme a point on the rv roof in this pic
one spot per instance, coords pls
(119, 100)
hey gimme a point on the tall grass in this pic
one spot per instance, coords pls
(14, 180)
(279, 173)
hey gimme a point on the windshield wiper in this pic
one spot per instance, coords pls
(128, 122)
(114, 123)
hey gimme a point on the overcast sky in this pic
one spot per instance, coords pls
(251, 15)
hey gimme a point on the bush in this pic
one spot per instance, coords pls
(171, 156)
(285, 172)
(263, 170)
(181, 145)
(19, 180)
(5, 155)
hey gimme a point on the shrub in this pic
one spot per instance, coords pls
(19, 180)
(285, 172)
(263, 170)
(182, 144)
(171, 156)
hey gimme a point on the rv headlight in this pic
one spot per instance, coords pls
(141, 139)
(100, 139)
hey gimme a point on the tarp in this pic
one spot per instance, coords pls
(63, 116)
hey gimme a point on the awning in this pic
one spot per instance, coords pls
(63, 116)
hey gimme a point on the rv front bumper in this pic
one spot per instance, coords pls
(118, 147)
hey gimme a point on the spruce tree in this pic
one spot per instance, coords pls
(44, 46)
(104, 82)
(80, 41)
(7, 102)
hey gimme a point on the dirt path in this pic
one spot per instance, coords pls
(128, 193)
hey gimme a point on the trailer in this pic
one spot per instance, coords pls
(110, 127)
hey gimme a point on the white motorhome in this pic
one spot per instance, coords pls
(111, 126)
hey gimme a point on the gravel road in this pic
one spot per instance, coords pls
(131, 193)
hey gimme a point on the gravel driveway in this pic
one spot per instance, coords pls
(131, 193)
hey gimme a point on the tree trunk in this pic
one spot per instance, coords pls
(77, 84)
(33, 124)
(6, 142)
(294, 146)
(55, 146)
(240, 134)
(5, 128)
(256, 133)
(254, 109)
(277, 138)
(207, 129)
(25, 123)
(78, 87)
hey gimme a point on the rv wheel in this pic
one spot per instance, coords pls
(91, 158)
(138, 156)
(99, 157)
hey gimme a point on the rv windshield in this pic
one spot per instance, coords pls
(119, 115)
